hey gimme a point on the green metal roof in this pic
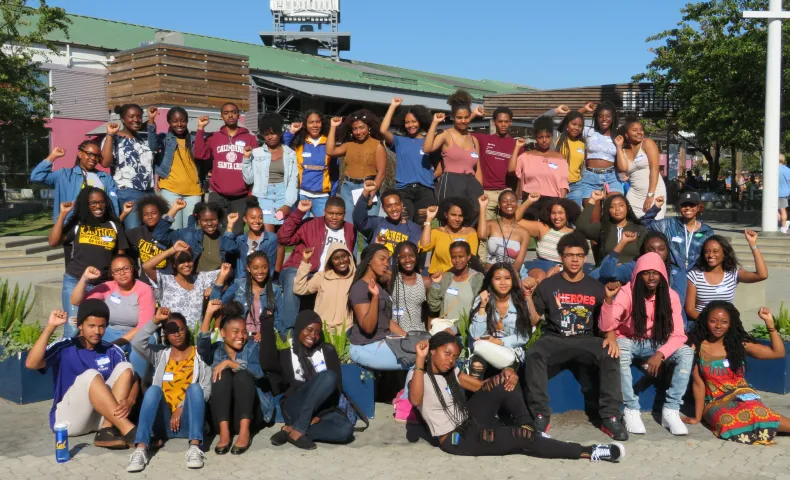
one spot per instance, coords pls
(114, 36)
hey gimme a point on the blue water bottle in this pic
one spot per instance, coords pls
(62, 442)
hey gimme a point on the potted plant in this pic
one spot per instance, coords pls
(771, 375)
(17, 383)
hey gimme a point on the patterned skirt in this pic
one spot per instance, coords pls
(742, 417)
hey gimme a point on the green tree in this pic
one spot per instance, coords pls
(24, 92)
(712, 67)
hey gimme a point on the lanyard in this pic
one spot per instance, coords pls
(619, 233)
(689, 236)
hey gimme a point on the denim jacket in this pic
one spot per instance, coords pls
(164, 146)
(512, 339)
(68, 184)
(248, 359)
(675, 231)
(193, 235)
(238, 292)
(255, 171)
(240, 250)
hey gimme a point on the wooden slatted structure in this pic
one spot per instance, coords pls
(629, 98)
(162, 74)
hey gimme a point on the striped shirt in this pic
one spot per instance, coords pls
(706, 292)
(547, 246)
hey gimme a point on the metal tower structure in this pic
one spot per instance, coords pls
(308, 14)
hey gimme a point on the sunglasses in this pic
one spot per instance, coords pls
(173, 328)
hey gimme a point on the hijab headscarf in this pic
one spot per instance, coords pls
(303, 353)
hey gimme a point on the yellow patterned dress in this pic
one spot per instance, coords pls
(733, 410)
(175, 390)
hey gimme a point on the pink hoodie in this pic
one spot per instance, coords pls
(617, 316)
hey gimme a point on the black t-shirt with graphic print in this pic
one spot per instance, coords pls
(569, 308)
(93, 246)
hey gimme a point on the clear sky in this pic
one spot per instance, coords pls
(545, 44)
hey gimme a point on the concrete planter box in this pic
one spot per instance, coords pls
(769, 375)
(20, 385)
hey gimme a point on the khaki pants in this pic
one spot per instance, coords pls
(493, 202)
(75, 407)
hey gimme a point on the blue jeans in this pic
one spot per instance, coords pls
(291, 301)
(139, 364)
(594, 181)
(307, 401)
(376, 356)
(575, 192)
(155, 416)
(131, 195)
(69, 283)
(345, 194)
(182, 217)
(631, 349)
(319, 204)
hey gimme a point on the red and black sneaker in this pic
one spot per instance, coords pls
(613, 427)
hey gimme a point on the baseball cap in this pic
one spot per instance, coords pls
(93, 307)
(690, 197)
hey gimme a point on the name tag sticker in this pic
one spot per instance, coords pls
(460, 240)
(167, 377)
(115, 299)
(726, 363)
(553, 166)
(306, 154)
(320, 367)
(474, 155)
(241, 143)
(112, 194)
(452, 291)
(721, 290)
(579, 150)
(398, 312)
(421, 152)
(677, 239)
(266, 212)
(102, 361)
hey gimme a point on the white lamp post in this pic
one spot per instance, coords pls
(773, 78)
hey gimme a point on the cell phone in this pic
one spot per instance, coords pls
(395, 336)
(485, 337)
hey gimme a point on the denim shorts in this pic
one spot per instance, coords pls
(271, 202)
(594, 181)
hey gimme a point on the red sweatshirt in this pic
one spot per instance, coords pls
(311, 233)
(227, 153)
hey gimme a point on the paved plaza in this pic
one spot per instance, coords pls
(388, 450)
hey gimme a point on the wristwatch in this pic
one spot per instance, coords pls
(651, 194)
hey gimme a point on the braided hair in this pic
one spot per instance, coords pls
(459, 414)
(271, 306)
(663, 325)
(81, 146)
(364, 262)
(82, 214)
(734, 339)
(397, 288)
(523, 324)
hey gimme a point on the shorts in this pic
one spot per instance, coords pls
(540, 264)
(783, 203)
(594, 181)
(575, 192)
(75, 407)
(271, 202)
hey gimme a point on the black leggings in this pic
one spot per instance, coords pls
(483, 435)
(232, 398)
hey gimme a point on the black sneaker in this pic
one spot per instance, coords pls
(279, 438)
(614, 452)
(109, 437)
(542, 423)
(613, 427)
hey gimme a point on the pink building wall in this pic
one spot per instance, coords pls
(68, 133)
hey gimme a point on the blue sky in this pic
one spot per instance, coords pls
(548, 44)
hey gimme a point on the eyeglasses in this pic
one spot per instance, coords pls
(95, 156)
(580, 256)
(175, 330)
(116, 271)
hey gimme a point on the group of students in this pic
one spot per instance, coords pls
(145, 270)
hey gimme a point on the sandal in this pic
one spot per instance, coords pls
(109, 437)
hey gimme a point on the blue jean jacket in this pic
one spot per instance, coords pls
(255, 171)
(675, 231)
(238, 292)
(248, 359)
(193, 236)
(164, 146)
(511, 339)
(68, 184)
(239, 252)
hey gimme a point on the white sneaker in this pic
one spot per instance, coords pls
(633, 421)
(137, 461)
(671, 419)
(195, 457)
(784, 229)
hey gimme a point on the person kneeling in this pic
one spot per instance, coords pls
(235, 363)
(179, 392)
(646, 314)
(95, 387)
(469, 427)
(309, 372)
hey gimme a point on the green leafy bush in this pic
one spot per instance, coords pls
(781, 322)
(338, 339)
(15, 335)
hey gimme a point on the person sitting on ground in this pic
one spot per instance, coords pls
(569, 304)
(174, 405)
(95, 388)
(309, 377)
(717, 273)
(500, 326)
(257, 294)
(131, 304)
(331, 285)
(506, 241)
(389, 230)
(91, 237)
(257, 239)
(452, 292)
(317, 233)
(372, 307)
(646, 315)
(722, 397)
(408, 289)
(555, 219)
(68, 182)
(235, 364)
(455, 213)
(616, 219)
(469, 427)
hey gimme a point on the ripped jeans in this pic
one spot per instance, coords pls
(631, 349)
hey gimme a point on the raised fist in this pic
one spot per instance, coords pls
(521, 143)
(430, 213)
(57, 318)
(307, 253)
(152, 114)
(483, 201)
(484, 298)
(91, 273)
(597, 195)
(438, 117)
(56, 153)
(112, 128)
(180, 246)
(232, 219)
(562, 110)
(396, 101)
(533, 197)
(203, 122)
(247, 152)
(162, 314)
(66, 207)
(336, 121)
(659, 202)
(128, 207)
(295, 127)
(612, 289)
(619, 141)
(305, 206)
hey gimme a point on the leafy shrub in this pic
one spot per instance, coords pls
(781, 322)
